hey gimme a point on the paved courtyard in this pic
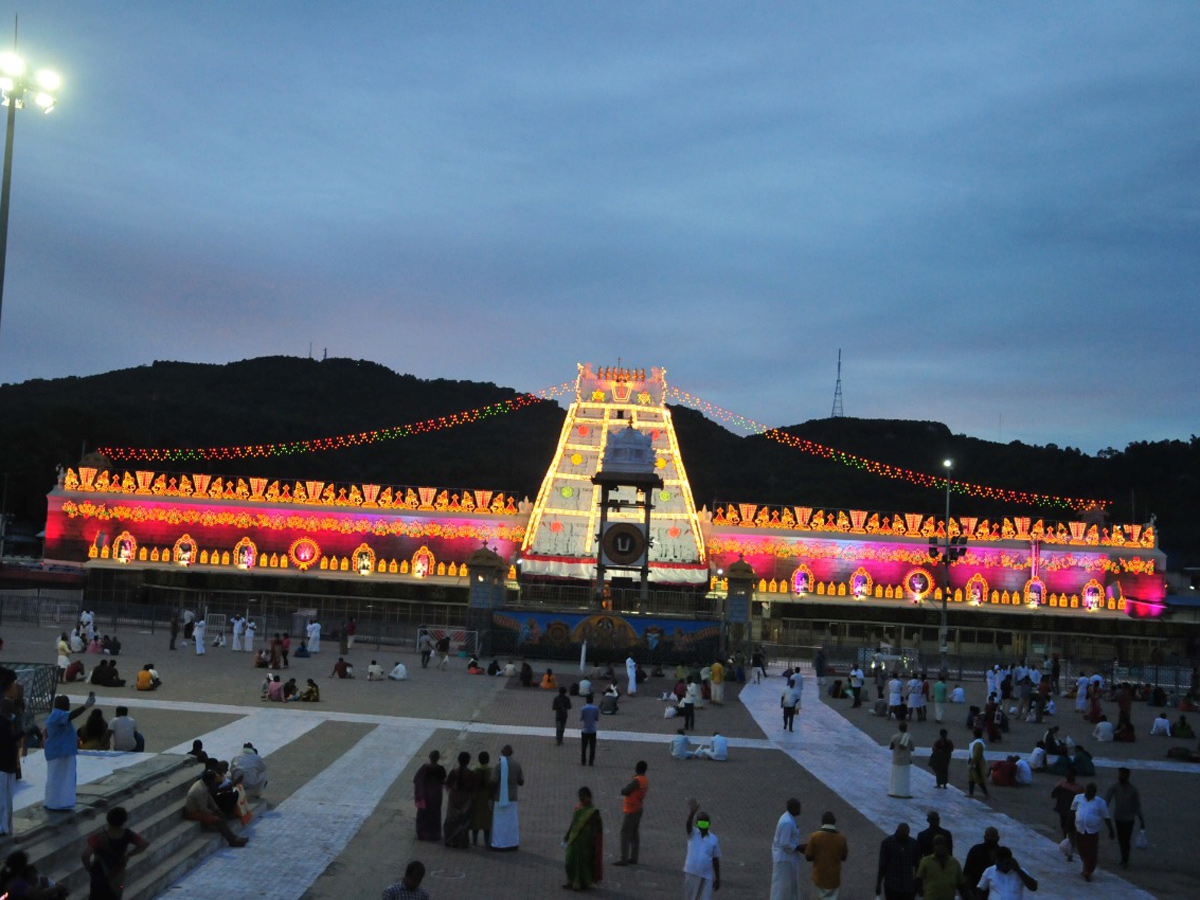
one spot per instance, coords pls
(341, 774)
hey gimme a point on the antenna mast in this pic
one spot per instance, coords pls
(837, 392)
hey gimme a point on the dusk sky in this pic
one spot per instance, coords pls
(992, 209)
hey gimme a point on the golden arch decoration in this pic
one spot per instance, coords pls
(977, 590)
(125, 547)
(1034, 593)
(861, 583)
(185, 551)
(1093, 595)
(423, 562)
(364, 559)
(918, 583)
(802, 580)
(245, 554)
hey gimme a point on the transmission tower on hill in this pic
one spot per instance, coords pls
(837, 392)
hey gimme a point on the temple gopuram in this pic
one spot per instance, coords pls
(818, 575)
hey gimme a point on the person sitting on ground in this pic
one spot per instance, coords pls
(493, 668)
(1103, 730)
(1182, 728)
(472, 662)
(264, 688)
(612, 691)
(124, 733)
(374, 671)
(19, 879)
(249, 770)
(197, 751)
(549, 682)
(1124, 729)
(114, 678)
(275, 690)
(399, 672)
(94, 646)
(526, 674)
(681, 747)
(1024, 775)
(290, 691)
(76, 641)
(717, 750)
(94, 733)
(145, 678)
(958, 695)
(1162, 725)
(222, 788)
(473, 668)
(1004, 772)
(510, 669)
(201, 807)
(1050, 741)
(342, 669)
(108, 851)
(608, 704)
(301, 651)
(75, 671)
(262, 659)
(585, 686)
(1038, 759)
(113, 647)
(311, 694)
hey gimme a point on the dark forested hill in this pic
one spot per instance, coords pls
(279, 399)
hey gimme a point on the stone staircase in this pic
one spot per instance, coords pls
(153, 794)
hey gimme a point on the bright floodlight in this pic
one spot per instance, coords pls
(44, 100)
(11, 64)
(949, 463)
(48, 80)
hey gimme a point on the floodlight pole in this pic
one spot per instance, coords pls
(5, 191)
(943, 631)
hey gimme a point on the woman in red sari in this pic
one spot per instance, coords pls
(427, 793)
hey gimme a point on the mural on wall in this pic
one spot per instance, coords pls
(609, 636)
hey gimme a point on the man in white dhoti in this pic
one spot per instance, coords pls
(250, 769)
(239, 631)
(506, 778)
(198, 635)
(631, 674)
(61, 746)
(785, 855)
(314, 637)
(902, 750)
(248, 637)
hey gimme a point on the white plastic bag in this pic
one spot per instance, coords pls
(670, 712)
(1143, 842)
(1065, 847)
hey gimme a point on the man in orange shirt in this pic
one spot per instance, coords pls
(826, 850)
(635, 795)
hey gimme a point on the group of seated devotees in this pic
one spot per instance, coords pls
(220, 794)
(119, 734)
(289, 692)
(375, 672)
(147, 678)
(107, 645)
(717, 749)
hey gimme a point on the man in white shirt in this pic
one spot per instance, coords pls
(374, 671)
(631, 675)
(786, 849)
(1091, 812)
(681, 747)
(1103, 730)
(125, 735)
(717, 750)
(250, 769)
(1024, 772)
(856, 683)
(702, 868)
(399, 672)
(1081, 692)
(958, 695)
(1162, 725)
(239, 629)
(1006, 880)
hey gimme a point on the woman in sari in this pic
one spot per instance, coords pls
(311, 694)
(481, 802)
(584, 844)
(276, 652)
(939, 758)
(427, 793)
(460, 791)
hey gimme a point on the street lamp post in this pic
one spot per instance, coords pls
(15, 87)
(943, 635)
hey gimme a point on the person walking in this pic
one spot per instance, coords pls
(443, 649)
(940, 874)
(688, 704)
(1005, 879)
(939, 699)
(896, 697)
(857, 680)
(507, 777)
(634, 795)
(1090, 813)
(826, 850)
(976, 765)
(702, 867)
(1125, 805)
(107, 852)
(926, 838)
(425, 645)
(789, 700)
(589, 717)
(584, 845)
(981, 857)
(896, 878)
(758, 665)
(785, 854)
(561, 706)
(717, 680)
(631, 675)
(939, 758)
(902, 751)
(1064, 794)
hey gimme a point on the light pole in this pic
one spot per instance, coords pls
(15, 86)
(950, 551)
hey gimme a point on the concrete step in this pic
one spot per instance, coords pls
(153, 794)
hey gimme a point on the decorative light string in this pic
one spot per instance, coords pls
(884, 469)
(341, 442)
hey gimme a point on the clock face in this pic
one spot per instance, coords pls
(624, 544)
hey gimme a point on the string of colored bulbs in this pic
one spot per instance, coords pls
(884, 470)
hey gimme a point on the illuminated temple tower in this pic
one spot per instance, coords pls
(560, 541)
